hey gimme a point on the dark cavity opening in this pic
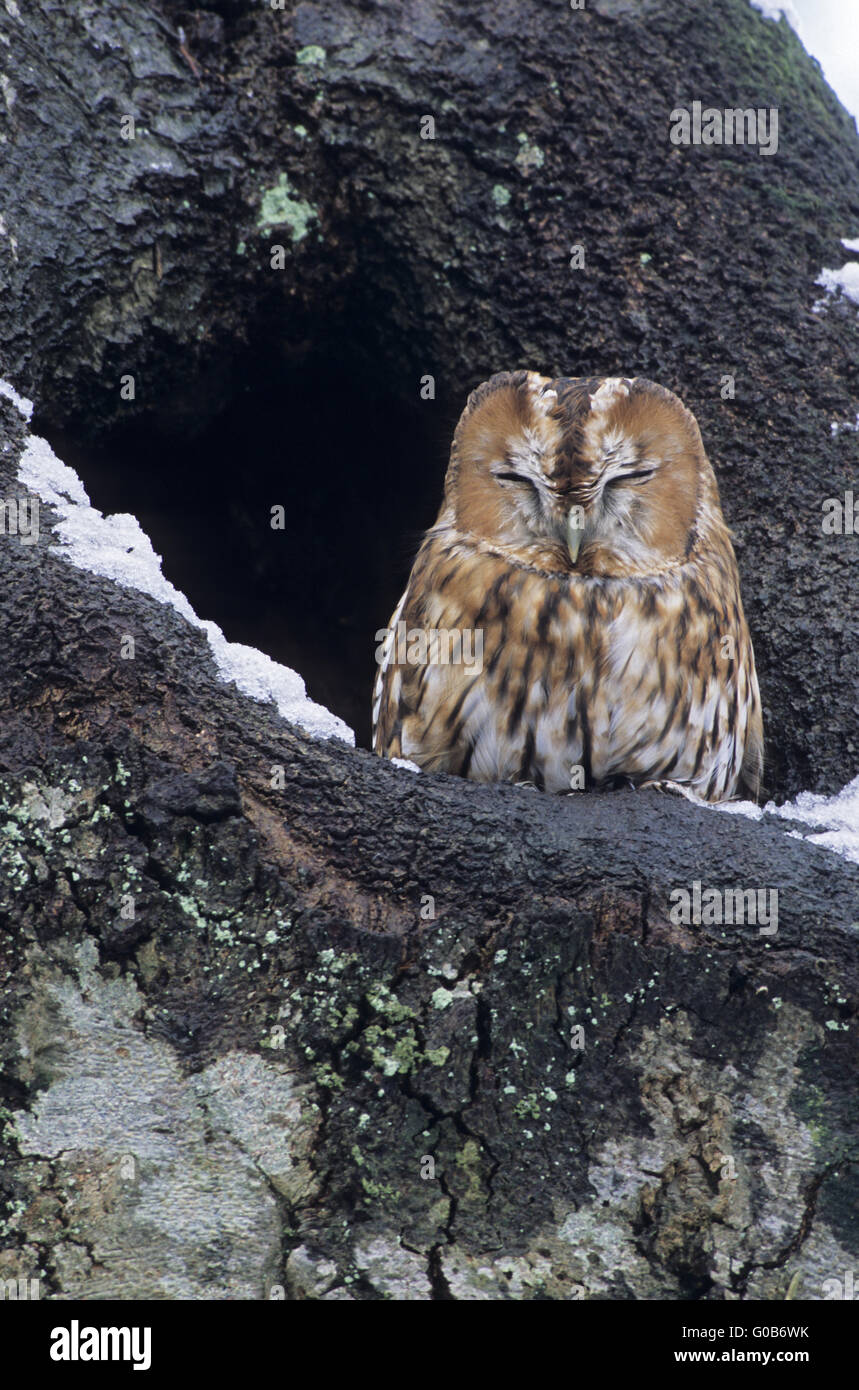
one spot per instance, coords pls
(357, 464)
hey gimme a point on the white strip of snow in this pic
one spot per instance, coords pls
(24, 406)
(115, 547)
(846, 280)
(850, 243)
(834, 819)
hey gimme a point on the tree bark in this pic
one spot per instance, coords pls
(370, 1034)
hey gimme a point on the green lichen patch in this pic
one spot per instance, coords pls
(311, 56)
(442, 998)
(529, 156)
(280, 206)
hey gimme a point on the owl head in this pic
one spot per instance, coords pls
(599, 476)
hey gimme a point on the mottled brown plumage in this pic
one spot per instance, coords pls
(581, 541)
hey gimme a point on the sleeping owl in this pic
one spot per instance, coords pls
(573, 619)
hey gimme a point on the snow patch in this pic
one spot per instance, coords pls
(405, 763)
(845, 280)
(21, 403)
(844, 426)
(115, 547)
(737, 808)
(834, 820)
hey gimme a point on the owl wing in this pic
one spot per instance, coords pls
(417, 702)
(420, 703)
(752, 769)
(386, 720)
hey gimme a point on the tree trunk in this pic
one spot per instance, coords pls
(279, 1015)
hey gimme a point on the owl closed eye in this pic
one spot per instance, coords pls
(581, 560)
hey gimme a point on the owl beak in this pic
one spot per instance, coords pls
(574, 532)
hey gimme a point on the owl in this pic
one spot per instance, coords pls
(573, 619)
